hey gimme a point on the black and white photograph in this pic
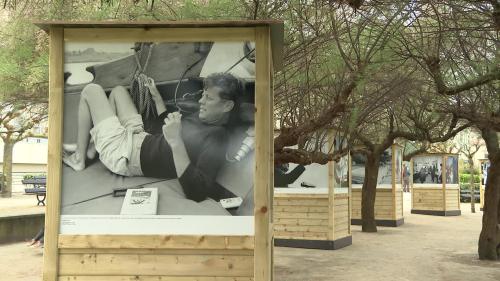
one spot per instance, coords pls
(384, 179)
(451, 170)
(297, 177)
(173, 119)
(427, 169)
(405, 174)
(398, 165)
(485, 166)
(312, 178)
(341, 168)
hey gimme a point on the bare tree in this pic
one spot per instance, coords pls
(17, 121)
(456, 43)
(468, 143)
(23, 83)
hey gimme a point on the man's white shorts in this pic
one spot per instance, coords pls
(119, 144)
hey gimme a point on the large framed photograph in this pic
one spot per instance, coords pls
(485, 166)
(427, 170)
(155, 132)
(158, 138)
(341, 168)
(384, 179)
(311, 178)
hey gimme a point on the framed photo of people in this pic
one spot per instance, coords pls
(384, 179)
(435, 189)
(155, 132)
(427, 170)
(452, 171)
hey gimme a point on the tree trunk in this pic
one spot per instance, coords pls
(489, 239)
(369, 192)
(7, 169)
(472, 193)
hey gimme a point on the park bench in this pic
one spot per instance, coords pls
(39, 188)
(465, 195)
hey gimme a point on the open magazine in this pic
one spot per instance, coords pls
(143, 201)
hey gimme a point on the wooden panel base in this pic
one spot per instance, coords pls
(437, 213)
(311, 217)
(388, 205)
(151, 278)
(314, 244)
(390, 223)
(88, 257)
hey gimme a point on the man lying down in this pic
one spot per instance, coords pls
(191, 148)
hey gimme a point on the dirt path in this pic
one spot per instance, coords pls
(20, 263)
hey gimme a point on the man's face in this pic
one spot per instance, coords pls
(212, 107)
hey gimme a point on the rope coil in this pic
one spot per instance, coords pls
(141, 95)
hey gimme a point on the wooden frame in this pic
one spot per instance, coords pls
(313, 220)
(435, 199)
(388, 201)
(187, 257)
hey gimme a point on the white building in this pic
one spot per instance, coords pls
(29, 157)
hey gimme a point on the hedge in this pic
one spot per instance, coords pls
(465, 178)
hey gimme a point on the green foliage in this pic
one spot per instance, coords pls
(23, 61)
(32, 176)
(465, 178)
(215, 10)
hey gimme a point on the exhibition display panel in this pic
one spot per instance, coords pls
(313, 210)
(389, 197)
(434, 185)
(155, 132)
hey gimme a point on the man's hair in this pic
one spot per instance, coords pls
(231, 87)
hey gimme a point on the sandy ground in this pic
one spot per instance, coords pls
(20, 204)
(424, 248)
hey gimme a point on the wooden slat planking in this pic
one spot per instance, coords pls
(301, 202)
(283, 195)
(427, 207)
(291, 228)
(159, 252)
(156, 242)
(294, 235)
(342, 217)
(340, 207)
(56, 97)
(151, 278)
(290, 215)
(306, 209)
(263, 170)
(159, 34)
(297, 234)
(341, 234)
(304, 222)
(130, 264)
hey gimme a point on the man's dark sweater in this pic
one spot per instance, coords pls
(206, 147)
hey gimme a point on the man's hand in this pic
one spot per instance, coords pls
(172, 128)
(155, 94)
(150, 84)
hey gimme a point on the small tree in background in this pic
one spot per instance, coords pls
(468, 143)
(23, 87)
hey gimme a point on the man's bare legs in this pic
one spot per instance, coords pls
(121, 103)
(93, 109)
